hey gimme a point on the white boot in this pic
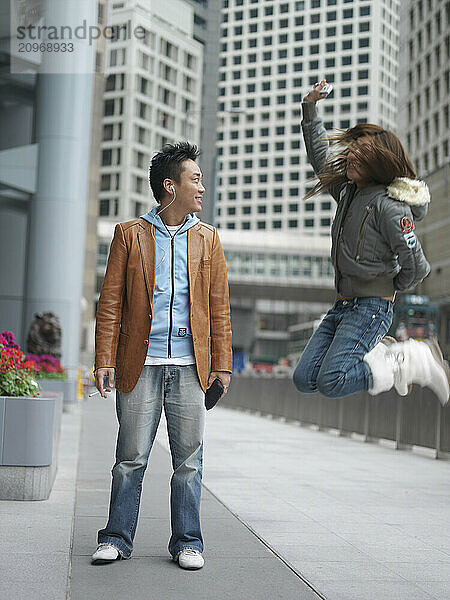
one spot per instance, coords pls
(383, 367)
(418, 364)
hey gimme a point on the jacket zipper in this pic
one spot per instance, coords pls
(339, 233)
(361, 232)
(172, 275)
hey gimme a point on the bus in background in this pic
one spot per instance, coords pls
(414, 317)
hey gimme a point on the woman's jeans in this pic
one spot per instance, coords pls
(177, 388)
(332, 362)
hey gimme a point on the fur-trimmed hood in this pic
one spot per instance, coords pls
(413, 192)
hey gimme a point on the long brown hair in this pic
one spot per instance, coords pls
(381, 154)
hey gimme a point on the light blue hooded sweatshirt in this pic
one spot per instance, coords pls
(170, 334)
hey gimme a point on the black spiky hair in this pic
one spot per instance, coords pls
(168, 164)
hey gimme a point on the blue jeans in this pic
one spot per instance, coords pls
(177, 388)
(332, 362)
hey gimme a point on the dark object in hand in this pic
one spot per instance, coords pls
(214, 394)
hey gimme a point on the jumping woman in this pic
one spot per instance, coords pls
(375, 253)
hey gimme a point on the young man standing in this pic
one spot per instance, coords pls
(163, 330)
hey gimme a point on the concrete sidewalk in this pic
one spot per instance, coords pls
(36, 537)
(359, 521)
(237, 564)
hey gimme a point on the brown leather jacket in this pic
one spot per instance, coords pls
(124, 313)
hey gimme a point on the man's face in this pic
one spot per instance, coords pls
(189, 190)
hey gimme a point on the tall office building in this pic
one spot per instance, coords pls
(424, 93)
(276, 244)
(271, 54)
(424, 83)
(206, 31)
(154, 79)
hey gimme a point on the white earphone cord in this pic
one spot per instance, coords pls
(153, 223)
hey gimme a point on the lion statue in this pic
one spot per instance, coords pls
(44, 335)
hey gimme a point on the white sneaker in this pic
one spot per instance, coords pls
(417, 362)
(189, 558)
(382, 366)
(105, 553)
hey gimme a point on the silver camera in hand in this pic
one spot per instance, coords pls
(327, 89)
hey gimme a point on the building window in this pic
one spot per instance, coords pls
(107, 132)
(107, 157)
(108, 108)
(103, 208)
(105, 183)
(102, 255)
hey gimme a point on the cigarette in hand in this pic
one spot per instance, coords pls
(97, 392)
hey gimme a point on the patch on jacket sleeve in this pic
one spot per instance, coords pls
(410, 239)
(406, 224)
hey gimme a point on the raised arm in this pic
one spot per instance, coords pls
(314, 133)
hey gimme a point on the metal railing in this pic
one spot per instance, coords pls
(414, 420)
